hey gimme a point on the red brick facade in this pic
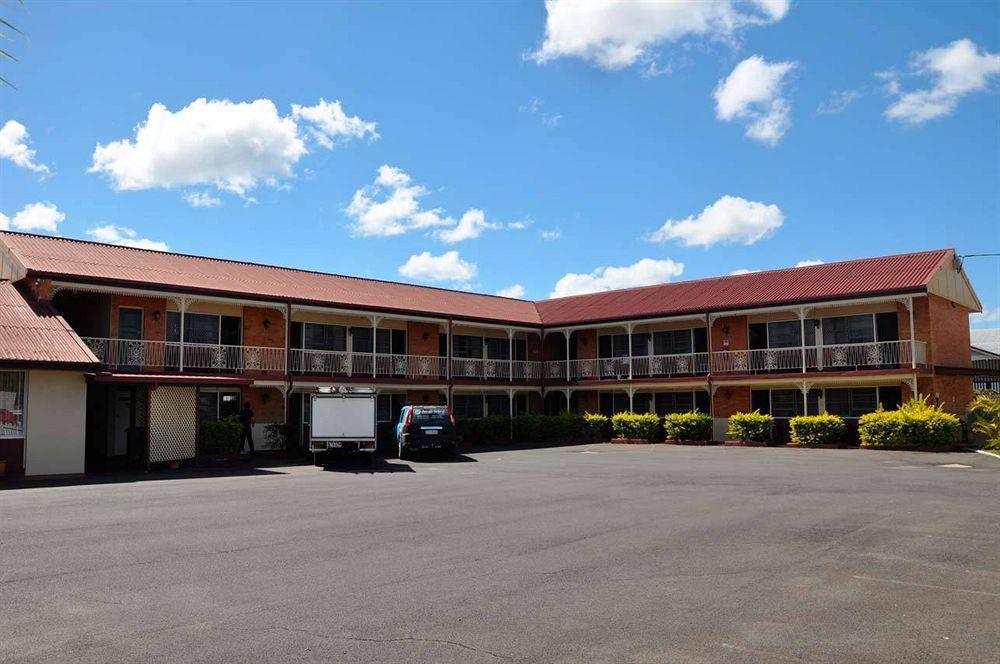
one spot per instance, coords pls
(735, 335)
(422, 338)
(152, 308)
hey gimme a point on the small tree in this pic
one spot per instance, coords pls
(986, 408)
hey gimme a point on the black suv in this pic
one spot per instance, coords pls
(426, 428)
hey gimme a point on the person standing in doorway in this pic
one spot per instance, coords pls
(246, 419)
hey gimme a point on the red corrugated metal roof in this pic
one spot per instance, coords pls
(33, 332)
(92, 261)
(856, 278)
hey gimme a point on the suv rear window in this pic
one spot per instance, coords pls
(431, 416)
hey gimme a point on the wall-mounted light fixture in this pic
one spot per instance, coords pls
(156, 315)
(725, 329)
(267, 323)
(727, 394)
(264, 397)
(425, 336)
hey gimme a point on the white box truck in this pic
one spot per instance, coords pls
(342, 421)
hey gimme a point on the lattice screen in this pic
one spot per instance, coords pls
(173, 423)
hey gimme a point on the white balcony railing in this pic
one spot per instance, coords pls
(617, 368)
(870, 355)
(495, 369)
(146, 355)
(342, 363)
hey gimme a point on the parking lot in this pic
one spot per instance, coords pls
(594, 553)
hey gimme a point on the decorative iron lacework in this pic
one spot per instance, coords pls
(173, 423)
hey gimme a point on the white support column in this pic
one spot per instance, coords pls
(631, 393)
(805, 398)
(913, 340)
(802, 335)
(183, 308)
(375, 321)
(510, 353)
(567, 392)
(628, 332)
(567, 333)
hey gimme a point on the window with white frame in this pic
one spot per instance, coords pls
(11, 404)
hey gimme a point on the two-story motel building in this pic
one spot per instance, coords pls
(113, 355)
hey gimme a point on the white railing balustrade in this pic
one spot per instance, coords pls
(146, 355)
(874, 354)
(762, 360)
(342, 363)
(684, 364)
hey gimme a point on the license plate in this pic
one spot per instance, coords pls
(431, 432)
(335, 443)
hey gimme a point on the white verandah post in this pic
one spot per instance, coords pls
(510, 353)
(566, 333)
(183, 307)
(913, 339)
(802, 337)
(628, 331)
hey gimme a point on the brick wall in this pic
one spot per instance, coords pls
(738, 401)
(152, 329)
(267, 403)
(737, 336)
(953, 393)
(586, 344)
(415, 342)
(948, 343)
(254, 332)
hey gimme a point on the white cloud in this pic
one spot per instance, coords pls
(515, 291)
(644, 272)
(125, 237)
(550, 235)
(753, 93)
(449, 266)
(202, 199)
(41, 217)
(614, 34)
(987, 315)
(234, 147)
(534, 107)
(808, 263)
(471, 225)
(742, 270)
(14, 146)
(730, 219)
(956, 70)
(391, 206)
(838, 102)
(329, 122)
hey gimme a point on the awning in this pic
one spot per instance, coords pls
(168, 379)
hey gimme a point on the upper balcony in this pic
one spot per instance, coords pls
(839, 357)
(144, 356)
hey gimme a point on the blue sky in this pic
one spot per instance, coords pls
(533, 141)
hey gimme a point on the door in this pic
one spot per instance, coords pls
(121, 423)
(129, 352)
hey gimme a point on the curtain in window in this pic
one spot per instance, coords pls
(848, 330)
(11, 404)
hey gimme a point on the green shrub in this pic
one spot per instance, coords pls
(688, 426)
(598, 426)
(489, 429)
(221, 436)
(754, 427)
(277, 436)
(986, 409)
(822, 429)
(915, 424)
(642, 426)
(529, 428)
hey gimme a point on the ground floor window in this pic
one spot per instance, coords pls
(11, 404)
(611, 403)
(468, 406)
(784, 403)
(857, 401)
(387, 407)
(214, 406)
(487, 405)
(661, 403)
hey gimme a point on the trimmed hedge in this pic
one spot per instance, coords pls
(220, 437)
(754, 427)
(598, 426)
(914, 424)
(642, 426)
(822, 429)
(688, 426)
(488, 429)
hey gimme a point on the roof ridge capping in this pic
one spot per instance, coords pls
(757, 273)
(270, 266)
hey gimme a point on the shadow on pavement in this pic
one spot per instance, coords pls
(365, 466)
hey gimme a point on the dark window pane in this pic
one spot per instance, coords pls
(173, 326)
(230, 330)
(229, 404)
(851, 401)
(497, 349)
(467, 346)
(786, 403)
(619, 345)
(604, 346)
(811, 325)
(890, 396)
(201, 329)
(887, 326)
(129, 323)
(468, 405)
(760, 400)
(497, 404)
(208, 406)
(606, 404)
(863, 400)
(848, 330)
(640, 344)
(758, 335)
(701, 340)
(399, 342)
(324, 337)
(838, 401)
(673, 402)
(520, 349)
(672, 342)
(702, 401)
(641, 402)
(785, 334)
(813, 401)
(361, 339)
(383, 342)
